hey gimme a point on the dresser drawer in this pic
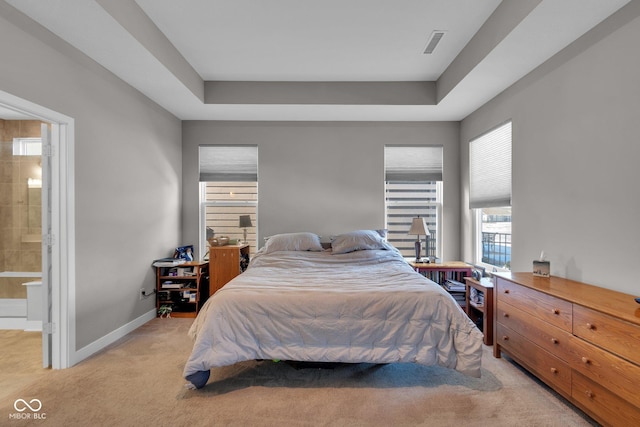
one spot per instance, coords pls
(553, 310)
(618, 336)
(547, 367)
(551, 338)
(608, 370)
(605, 406)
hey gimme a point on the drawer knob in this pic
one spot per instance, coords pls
(505, 338)
(554, 340)
(506, 291)
(585, 360)
(505, 315)
(590, 326)
(589, 394)
(554, 370)
(555, 311)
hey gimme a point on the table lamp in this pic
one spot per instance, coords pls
(245, 221)
(419, 227)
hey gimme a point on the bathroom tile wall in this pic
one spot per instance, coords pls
(20, 208)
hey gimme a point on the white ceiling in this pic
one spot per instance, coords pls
(168, 49)
(329, 40)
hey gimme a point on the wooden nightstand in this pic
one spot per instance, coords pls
(225, 263)
(440, 272)
(484, 310)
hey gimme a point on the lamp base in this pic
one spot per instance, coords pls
(418, 245)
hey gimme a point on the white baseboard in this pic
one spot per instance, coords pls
(13, 323)
(13, 307)
(33, 326)
(13, 313)
(111, 337)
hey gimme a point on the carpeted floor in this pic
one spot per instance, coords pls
(138, 382)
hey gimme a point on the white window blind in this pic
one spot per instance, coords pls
(490, 168)
(223, 205)
(413, 163)
(235, 163)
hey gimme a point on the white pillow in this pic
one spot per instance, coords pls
(293, 242)
(360, 240)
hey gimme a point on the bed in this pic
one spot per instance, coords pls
(357, 302)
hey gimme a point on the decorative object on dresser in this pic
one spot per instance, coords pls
(225, 263)
(581, 340)
(541, 267)
(418, 228)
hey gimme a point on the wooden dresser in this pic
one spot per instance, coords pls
(581, 340)
(225, 264)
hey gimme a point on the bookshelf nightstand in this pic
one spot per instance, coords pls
(441, 272)
(182, 287)
(476, 310)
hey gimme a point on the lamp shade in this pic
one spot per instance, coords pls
(245, 221)
(419, 227)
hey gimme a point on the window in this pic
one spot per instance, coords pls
(494, 225)
(490, 195)
(228, 190)
(413, 187)
(27, 146)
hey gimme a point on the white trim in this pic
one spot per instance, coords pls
(25, 274)
(112, 337)
(13, 307)
(33, 326)
(477, 245)
(63, 225)
(7, 323)
(203, 247)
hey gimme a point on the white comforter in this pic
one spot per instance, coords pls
(365, 306)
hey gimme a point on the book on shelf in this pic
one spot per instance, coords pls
(171, 285)
(168, 262)
(184, 271)
(459, 297)
(454, 286)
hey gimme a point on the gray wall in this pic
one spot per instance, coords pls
(322, 177)
(575, 158)
(127, 171)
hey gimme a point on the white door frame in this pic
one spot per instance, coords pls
(63, 281)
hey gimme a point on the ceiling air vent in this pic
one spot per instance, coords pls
(435, 38)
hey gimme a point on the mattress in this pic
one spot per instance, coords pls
(364, 306)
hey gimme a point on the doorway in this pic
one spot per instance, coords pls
(58, 280)
(21, 213)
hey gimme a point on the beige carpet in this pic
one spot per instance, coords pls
(138, 382)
